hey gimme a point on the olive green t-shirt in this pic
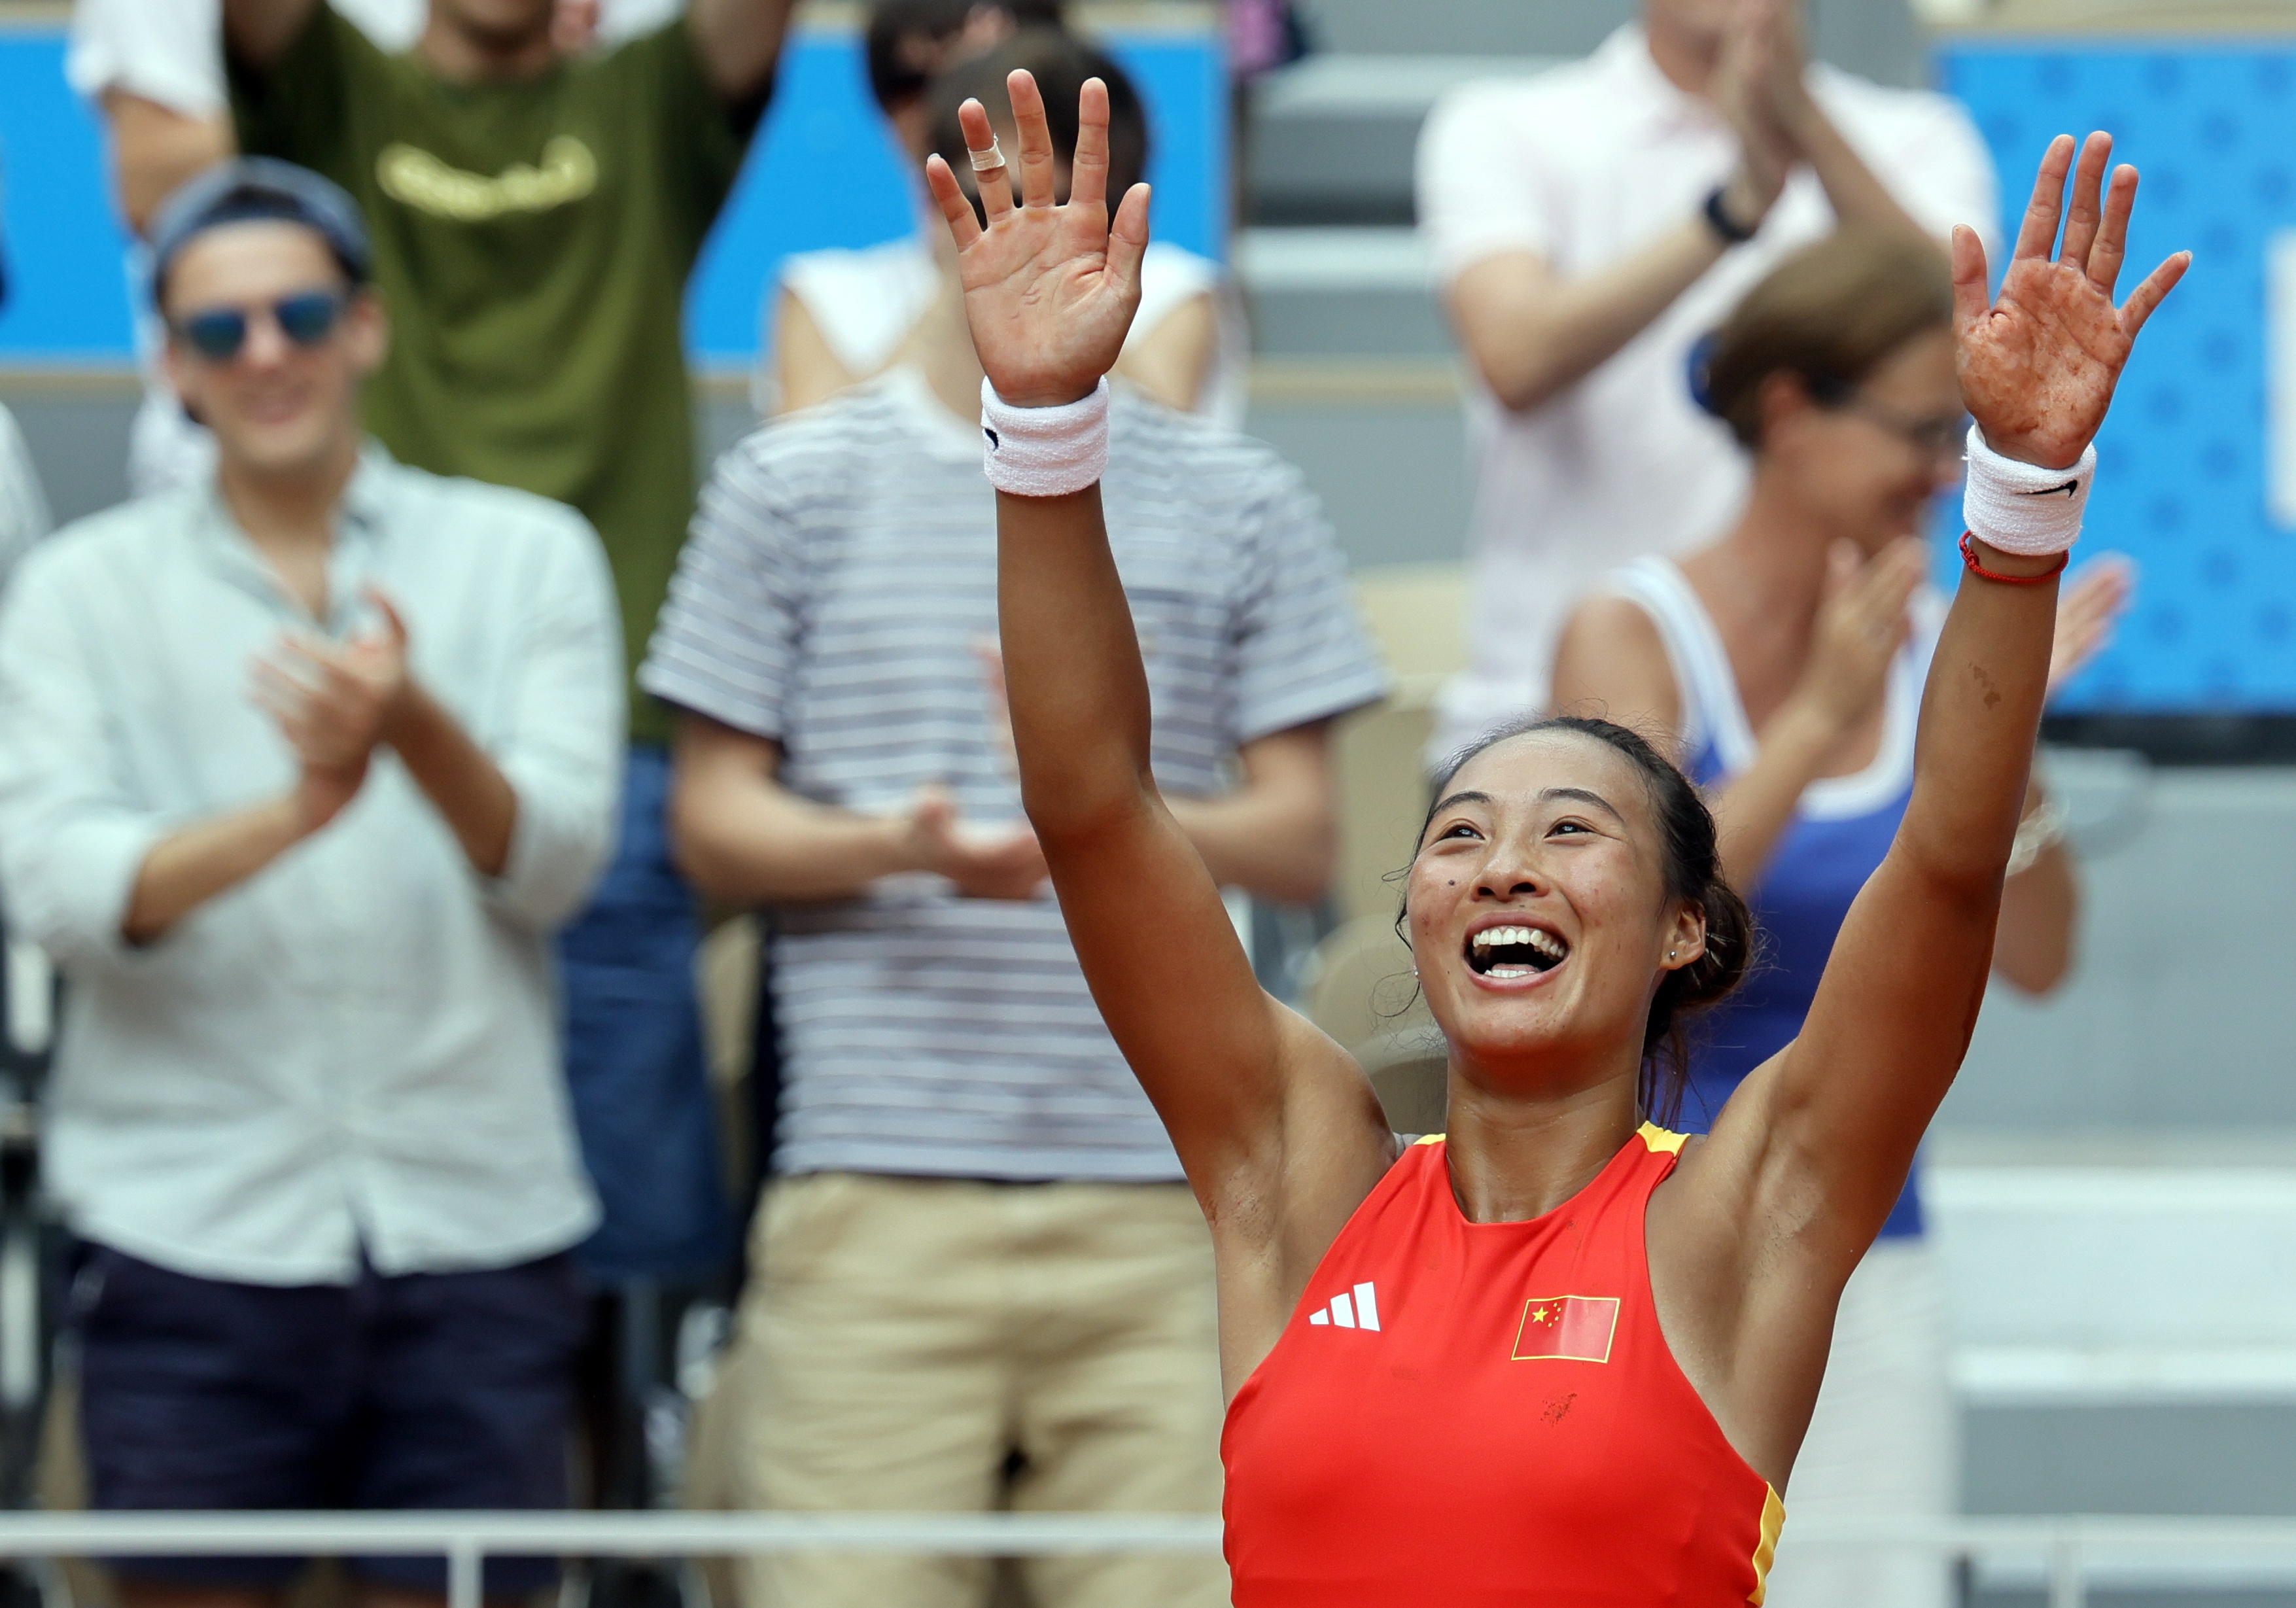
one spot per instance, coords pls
(532, 241)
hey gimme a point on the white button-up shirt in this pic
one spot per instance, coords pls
(23, 510)
(356, 1049)
(1583, 165)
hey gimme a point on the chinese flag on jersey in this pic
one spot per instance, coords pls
(1567, 1328)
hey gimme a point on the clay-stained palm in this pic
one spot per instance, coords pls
(2039, 364)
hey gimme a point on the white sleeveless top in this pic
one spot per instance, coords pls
(865, 302)
(1717, 738)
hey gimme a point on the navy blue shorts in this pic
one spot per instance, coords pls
(431, 1390)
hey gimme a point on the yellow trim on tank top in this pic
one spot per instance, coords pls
(1774, 1519)
(1773, 1507)
(1651, 1134)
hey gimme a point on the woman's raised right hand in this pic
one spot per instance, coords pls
(1049, 290)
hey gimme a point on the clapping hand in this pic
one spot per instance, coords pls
(334, 704)
(1861, 625)
(1754, 84)
(1863, 622)
(984, 862)
(1778, 59)
(2094, 600)
(2039, 363)
(1049, 290)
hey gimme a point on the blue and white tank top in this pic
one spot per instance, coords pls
(1841, 829)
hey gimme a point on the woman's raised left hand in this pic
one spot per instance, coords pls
(1049, 290)
(2038, 365)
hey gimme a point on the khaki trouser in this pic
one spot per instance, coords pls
(907, 1336)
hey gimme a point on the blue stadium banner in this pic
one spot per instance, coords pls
(823, 172)
(2197, 464)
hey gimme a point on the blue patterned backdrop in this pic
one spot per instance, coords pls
(2183, 461)
(822, 173)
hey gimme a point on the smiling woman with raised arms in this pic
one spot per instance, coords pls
(1562, 1356)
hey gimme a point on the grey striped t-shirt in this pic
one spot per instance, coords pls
(841, 571)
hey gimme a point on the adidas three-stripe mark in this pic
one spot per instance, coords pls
(1360, 1310)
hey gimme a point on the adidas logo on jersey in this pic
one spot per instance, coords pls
(1358, 1310)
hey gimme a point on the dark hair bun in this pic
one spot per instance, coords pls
(1712, 977)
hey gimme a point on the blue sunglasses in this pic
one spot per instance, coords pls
(306, 319)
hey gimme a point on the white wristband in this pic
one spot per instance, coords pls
(1043, 451)
(2024, 508)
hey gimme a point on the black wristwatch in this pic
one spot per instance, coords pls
(1717, 216)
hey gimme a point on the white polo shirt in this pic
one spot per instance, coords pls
(1583, 165)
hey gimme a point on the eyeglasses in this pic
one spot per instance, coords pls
(1937, 435)
(306, 319)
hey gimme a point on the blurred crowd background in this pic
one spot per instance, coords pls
(2110, 1190)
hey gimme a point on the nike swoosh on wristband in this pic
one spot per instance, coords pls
(993, 442)
(2071, 488)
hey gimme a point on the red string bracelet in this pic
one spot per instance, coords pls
(1969, 558)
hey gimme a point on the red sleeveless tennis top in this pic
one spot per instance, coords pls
(1469, 1415)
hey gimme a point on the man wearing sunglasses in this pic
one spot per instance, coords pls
(300, 769)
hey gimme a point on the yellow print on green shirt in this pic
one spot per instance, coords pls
(568, 173)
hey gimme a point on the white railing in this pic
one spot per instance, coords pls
(2067, 1554)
